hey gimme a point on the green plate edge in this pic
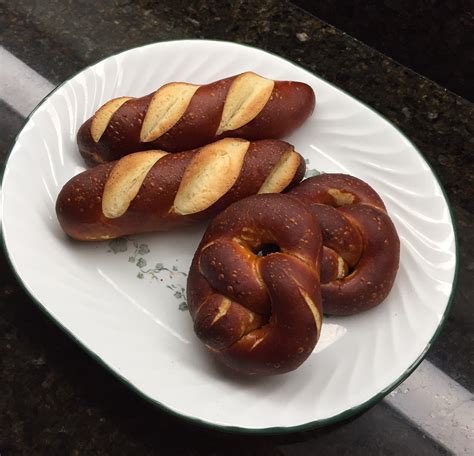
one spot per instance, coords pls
(236, 429)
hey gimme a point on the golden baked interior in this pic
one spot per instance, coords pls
(210, 175)
(282, 174)
(247, 96)
(103, 115)
(166, 107)
(125, 181)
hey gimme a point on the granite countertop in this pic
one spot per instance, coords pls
(55, 399)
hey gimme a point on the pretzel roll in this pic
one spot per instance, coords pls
(181, 116)
(156, 191)
(258, 314)
(361, 250)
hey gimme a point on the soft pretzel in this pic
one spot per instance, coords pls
(258, 314)
(181, 116)
(361, 246)
(156, 191)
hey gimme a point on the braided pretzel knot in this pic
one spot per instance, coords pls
(361, 247)
(258, 314)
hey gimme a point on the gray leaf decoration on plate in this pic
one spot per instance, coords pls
(310, 172)
(176, 278)
(118, 245)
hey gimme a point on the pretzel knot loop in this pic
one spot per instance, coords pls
(259, 313)
(361, 249)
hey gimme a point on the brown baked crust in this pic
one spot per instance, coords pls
(288, 106)
(258, 314)
(80, 204)
(361, 246)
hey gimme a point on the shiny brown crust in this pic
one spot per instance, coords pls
(79, 205)
(288, 106)
(258, 314)
(361, 251)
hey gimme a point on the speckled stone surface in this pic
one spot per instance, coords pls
(54, 398)
(433, 37)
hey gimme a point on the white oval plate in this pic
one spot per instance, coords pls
(122, 300)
